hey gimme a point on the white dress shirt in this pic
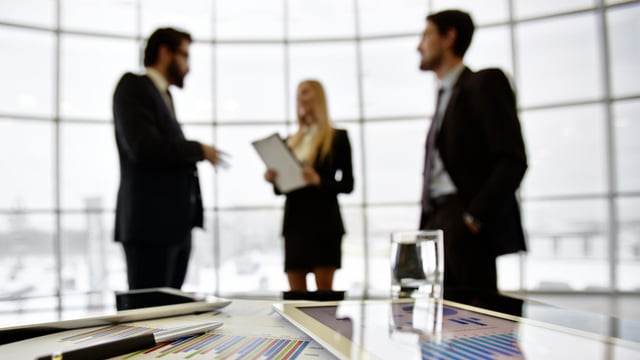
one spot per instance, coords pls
(162, 85)
(303, 150)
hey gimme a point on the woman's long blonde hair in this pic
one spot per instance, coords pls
(324, 136)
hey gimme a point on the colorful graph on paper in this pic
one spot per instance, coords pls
(220, 346)
(504, 345)
(470, 336)
(110, 333)
(212, 345)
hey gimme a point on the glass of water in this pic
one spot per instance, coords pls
(417, 264)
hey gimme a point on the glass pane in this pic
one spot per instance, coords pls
(321, 19)
(201, 273)
(491, 47)
(109, 16)
(567, 239)
(383, 17)
(89, 166)
(482, 12)
(28, 311)
(78, 72)
(27, 259)
(206, 172)
(195, 102)
(194, 16)
(627, 147)
(32, 53)
(350, 277)
(566, 151)
(509, 272)
(22, 12)
(27, 163)
(531, 8)
(390, 179)
(625, 49)
(91, 260)
(393, 84)
(243, 183)
(381, 221)
(570, 42)
(334, 65)
(628, 266)
(79, 305)
(251, 252)
(250, 80)
(249, 19)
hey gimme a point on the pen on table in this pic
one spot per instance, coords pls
(127, 345)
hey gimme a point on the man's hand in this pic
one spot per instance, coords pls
(214, 156)
(471, 223)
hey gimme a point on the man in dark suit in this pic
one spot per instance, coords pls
(475, 158)
(159, 195)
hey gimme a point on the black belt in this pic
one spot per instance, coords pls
(441, 200)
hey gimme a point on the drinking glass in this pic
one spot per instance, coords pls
(417, 264)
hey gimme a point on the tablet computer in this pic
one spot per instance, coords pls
(440, 329)
(110, 317)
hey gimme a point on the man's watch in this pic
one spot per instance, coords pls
(468, 218)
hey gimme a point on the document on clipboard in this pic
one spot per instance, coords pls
(277, 156)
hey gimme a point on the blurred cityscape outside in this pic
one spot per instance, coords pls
(251, 262)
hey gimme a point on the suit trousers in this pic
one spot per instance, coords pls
(157, 264)
(468, 261)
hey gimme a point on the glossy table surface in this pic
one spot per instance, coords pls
(73, 306)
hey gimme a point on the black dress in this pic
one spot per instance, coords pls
(313, 226)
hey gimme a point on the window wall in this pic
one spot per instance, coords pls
(573, 64)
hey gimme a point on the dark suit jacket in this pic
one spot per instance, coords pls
(482, 149)
(159, 195)
(315, 209)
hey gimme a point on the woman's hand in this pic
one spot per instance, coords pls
(310, 175)
(270, 175)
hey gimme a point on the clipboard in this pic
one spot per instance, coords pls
(276, 155)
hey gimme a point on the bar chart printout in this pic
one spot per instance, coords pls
(467, 336)
(219, 346)
(499, 346)
(206, 346)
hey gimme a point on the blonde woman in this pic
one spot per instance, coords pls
(313, 227)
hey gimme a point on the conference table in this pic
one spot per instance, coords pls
(464, 325)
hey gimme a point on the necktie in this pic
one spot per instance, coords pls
(170, 103)
(428, 156)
